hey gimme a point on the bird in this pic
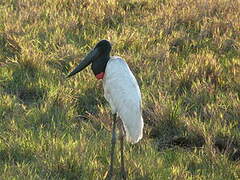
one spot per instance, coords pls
(122, 92)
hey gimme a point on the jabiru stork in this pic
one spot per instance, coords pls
(122, 92)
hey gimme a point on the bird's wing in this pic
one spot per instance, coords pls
(122, 92)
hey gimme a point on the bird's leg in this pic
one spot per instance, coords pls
(110, 172)
(123, 172)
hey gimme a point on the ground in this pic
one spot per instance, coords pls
(185, 56)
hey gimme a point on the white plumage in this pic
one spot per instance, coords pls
(122, 92)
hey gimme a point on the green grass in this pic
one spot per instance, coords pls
(185, 56)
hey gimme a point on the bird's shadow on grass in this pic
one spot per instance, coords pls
(23, 74)
(23, 85)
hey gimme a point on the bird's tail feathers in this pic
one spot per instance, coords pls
(134, 130)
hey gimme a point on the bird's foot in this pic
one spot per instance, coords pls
(123, 174)
(108, 175)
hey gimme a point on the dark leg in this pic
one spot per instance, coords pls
(123, 173)
(110, 172)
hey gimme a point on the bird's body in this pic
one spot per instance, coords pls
(123, 94)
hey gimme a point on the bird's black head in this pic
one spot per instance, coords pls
(99, 63)
(99, 57)
(104, 46)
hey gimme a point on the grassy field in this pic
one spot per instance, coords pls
(185, 56)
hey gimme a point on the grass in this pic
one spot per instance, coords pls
(185, 56)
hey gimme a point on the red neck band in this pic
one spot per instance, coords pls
(100, 75)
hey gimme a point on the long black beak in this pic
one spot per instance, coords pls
(85, 62)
